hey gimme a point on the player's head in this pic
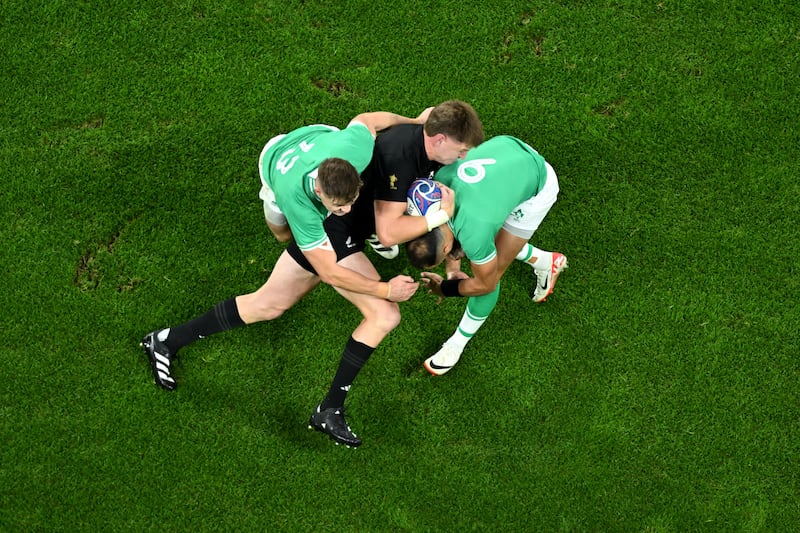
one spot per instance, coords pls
(452, 128)
(337, 185)
(426, 251)
(431, 249)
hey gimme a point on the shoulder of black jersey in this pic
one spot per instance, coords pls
(401, 133)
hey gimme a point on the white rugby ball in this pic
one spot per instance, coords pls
(424, 196)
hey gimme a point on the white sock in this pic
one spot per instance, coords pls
(458, 340)
(544, 259)
(467, 328)
(526, 253)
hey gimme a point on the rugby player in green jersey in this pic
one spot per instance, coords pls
(503, 190)
(305, 175)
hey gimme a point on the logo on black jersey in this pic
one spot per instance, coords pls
(393, 182)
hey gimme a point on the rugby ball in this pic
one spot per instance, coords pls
(424, 196)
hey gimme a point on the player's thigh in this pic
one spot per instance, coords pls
(525, 219)
(370, 306)
(275, 218)
(360, 263)
(289, 281)
(508, 245)
(380, 316)
(287, 284)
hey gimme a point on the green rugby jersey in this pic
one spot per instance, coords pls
(489, 183)
(290, 170)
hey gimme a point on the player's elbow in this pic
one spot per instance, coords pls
(487, 288)
(386, 238)
(482, 286)
(368, 120)
(332, 278)
(328, 279)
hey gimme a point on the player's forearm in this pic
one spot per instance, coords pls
(350, 280)
(453, 268)
(475, 287)
(401, 229)
(483, 280)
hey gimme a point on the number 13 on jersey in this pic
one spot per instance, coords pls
(287, 161)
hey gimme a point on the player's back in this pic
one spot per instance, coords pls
(494, 178)
(301, 151)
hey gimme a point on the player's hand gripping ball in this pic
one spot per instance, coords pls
(424, 196)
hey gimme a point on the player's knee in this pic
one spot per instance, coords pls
(282, 236)
(281, 232)
(386, 316)
(253, 309)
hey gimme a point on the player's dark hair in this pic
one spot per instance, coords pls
(338, 179)
(455, 119)
(423, 252)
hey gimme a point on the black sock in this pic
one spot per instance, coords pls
(354, 358)
(222, 317)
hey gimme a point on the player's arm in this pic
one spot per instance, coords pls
(394, 227)
(381, 120)
(453, 270)
(398, 289)
(483, 281)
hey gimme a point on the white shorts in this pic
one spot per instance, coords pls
(524, 220)
(272, 212)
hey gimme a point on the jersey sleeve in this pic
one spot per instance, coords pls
(305, 221)
(477, 241)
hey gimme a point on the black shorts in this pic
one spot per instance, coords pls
(347, 238)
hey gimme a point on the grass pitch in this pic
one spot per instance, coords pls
(656, 390)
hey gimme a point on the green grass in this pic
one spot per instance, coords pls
(657, 389)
